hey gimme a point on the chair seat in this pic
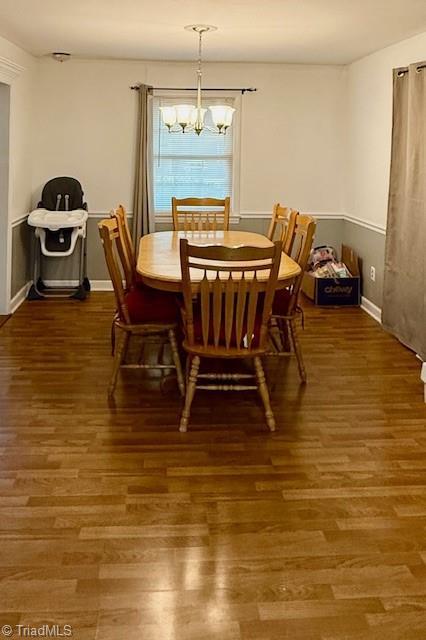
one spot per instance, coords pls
(281, 302)
(146, 304)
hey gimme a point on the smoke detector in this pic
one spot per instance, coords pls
(60, 56)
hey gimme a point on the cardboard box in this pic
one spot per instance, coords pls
(336, 291)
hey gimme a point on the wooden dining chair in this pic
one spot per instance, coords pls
(285, 307)
(201, 214)
(125, 246)
(283, 224)
(140, 310)
(126, 254)
(226, 315)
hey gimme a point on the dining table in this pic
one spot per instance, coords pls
(158, 259)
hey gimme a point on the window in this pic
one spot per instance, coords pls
(187, 165)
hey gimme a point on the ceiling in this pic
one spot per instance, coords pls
(294, 31)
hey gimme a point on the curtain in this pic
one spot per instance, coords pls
(142, 222)
(404, 297)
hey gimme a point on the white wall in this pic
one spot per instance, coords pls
(22, 108)
(292, 128)
(368, 145)
(22, 104)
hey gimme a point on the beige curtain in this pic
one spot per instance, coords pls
(404, 298)
(141, 214)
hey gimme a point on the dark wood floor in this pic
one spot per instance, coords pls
(115, 523)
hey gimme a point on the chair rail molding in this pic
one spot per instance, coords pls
(9, 70)
(321, 215)
(324, 215)
(99, 214)
(367, 224)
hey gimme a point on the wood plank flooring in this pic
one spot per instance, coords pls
(115, 523)
(3, 319)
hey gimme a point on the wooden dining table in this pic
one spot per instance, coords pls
(158, 260)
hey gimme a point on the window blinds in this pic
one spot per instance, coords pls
(187, 165)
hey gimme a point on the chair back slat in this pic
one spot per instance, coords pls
(217, 309)
(229, 309)
(205, 308)
(228, 298)
(203, 214)
(282, 226)
(125, 246)
(240, 310)
(251, 309)
(112, 245)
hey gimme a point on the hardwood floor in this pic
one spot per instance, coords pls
(117, 524)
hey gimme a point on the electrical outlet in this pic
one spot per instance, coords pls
(373, 274)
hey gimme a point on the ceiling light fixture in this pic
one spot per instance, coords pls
(187, 117)
(61, 56)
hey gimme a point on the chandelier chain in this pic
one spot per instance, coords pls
(187, 118)
(200, 35)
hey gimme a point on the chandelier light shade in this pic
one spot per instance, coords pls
(168, 115)
(189, 117)
(222, 116)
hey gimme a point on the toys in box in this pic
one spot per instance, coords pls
(330, 282)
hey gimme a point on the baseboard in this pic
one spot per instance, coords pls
(19, 297)
(373, 310)
(95, 285)
(101, 285)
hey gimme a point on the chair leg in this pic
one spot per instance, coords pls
(113, 337)
(187, 368)
(264, 393)
(190, 391)
(275, 335)
(120, 353)
(285, 335)
(177, 362)
(297, 349)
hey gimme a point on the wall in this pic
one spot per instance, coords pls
(4, 193)
(316, 137)
(291, 128)
(22, 91)
(291, 132)
(368, 147)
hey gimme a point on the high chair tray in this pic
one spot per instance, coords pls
(55, 220)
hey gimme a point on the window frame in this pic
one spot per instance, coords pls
(166, 216)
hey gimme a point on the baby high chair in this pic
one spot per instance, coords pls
(59, 221)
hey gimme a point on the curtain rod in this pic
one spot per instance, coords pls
(402, 72)
(239, 89)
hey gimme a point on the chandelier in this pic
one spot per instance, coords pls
(187, 117)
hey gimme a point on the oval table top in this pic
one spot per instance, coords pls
(158, 259)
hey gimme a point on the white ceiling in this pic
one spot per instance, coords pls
(297, 31)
